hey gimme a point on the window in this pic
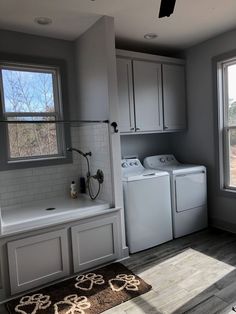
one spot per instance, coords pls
(31, 94)
(227, 122)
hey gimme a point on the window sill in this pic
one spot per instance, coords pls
(37, 162)
(227, 192)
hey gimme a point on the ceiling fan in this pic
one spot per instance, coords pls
(166, 8)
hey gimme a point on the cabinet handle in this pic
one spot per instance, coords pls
(131, 129)
(165, 127)
(137, 129)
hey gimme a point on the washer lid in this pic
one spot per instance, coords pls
(144, 175)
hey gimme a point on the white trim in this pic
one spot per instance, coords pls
(223, 125)
(115, 146)
(125, 253)
(30, 67)
(148, 57)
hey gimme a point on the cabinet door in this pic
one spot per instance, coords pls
(125, 93)
(37, 260)
(148, 96)
(95, 243)
(174, 97)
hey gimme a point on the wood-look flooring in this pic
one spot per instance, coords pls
(194, 274)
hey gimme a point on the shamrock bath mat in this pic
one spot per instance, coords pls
(89, 293)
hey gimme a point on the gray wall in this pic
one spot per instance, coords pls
(145, 145)
(43, 47)
(197, 145)
(92, 75)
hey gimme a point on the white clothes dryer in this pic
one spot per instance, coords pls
(188, 193)
(147, 205)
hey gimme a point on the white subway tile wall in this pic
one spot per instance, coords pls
(95, 138)
(26, 185)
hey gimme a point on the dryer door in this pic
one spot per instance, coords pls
(190, 191)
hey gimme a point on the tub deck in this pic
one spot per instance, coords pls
(33, 215)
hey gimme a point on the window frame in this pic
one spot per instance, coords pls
(223, 128)
(61, 112)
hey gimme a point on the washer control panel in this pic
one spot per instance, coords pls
(131, 165)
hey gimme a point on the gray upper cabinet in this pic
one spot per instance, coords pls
(151, 93)
(148, 96)
(125, 92)
(174, 103)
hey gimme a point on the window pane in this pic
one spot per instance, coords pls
(232, 94)
(28, 91)
(32, 140)
(232, 156)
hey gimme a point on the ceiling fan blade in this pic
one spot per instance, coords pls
(166, 8)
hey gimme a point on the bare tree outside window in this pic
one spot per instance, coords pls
(31, 94)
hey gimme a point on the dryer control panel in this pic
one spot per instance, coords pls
(160, 161)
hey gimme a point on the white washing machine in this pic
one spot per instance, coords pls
(188, 193)
(147, 205)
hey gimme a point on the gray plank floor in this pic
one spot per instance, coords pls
(194, 274)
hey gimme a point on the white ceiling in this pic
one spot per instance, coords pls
(192, 22)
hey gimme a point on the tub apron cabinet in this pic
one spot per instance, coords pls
(95, 243)
(38, 258)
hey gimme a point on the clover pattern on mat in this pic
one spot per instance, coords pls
(86, 282)
(123, 281)
(73, 304)
(31, 304)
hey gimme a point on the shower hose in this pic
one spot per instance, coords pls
(92, 195)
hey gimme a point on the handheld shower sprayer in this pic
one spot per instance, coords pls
(99, 176)
(71, 149)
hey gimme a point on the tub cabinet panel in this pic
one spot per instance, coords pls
(37, 260)
(40, 257)
(95, 243)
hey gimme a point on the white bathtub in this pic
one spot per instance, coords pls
(34, 215)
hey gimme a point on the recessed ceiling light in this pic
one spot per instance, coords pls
(150, 36)
(42, 20)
